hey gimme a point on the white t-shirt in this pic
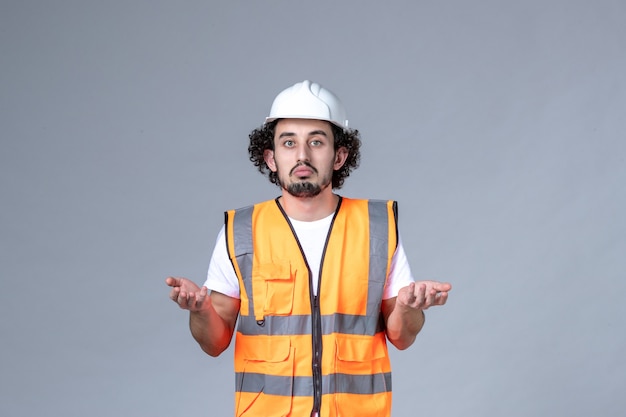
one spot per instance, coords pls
(221, 276)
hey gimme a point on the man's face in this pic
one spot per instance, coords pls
(304, 157)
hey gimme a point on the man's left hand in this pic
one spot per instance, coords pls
(421, 295)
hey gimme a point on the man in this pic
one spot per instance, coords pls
(319, 282)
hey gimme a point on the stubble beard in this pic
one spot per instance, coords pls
(304, 188)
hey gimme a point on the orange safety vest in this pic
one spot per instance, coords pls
(296, 353)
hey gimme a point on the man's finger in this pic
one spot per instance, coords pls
(412, 295)
(442, 286)
(174, 282)
(408, 294)
(421, 290)
(442, 298)
(182, 299)
(431, 297)
(174, 293)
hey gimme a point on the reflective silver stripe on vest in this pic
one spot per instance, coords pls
(295, 325)
(244, 249)
(303, 386)
(379, 244)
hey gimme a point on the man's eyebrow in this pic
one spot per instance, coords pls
(311, 133)
(318, 132)
(286, 134)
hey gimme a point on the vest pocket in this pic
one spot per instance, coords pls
(279, 288)
(265, 387)
(363, 386)
(355, 348)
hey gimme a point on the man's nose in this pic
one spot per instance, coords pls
(303, 153)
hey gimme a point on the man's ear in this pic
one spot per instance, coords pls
(340, 158)
(268, 156)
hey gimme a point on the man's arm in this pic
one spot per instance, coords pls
(211, 318)
(404, 314)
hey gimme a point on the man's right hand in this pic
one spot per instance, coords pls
(211, 318)
(187, 294)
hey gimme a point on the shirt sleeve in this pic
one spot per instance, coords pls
(399, 273)
(221, 275)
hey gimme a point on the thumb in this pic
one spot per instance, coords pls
(174, 282)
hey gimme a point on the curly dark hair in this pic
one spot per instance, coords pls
(262, 139)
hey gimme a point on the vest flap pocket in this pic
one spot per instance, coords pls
(266, 349)
(276, 271)
(354, 348)
(279, 288)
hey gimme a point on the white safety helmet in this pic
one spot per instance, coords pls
(307, 100)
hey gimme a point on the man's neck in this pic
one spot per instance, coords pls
(308, 209)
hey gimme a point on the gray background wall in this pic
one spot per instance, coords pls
(497, 125)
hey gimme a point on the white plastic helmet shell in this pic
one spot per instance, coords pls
(307, 100)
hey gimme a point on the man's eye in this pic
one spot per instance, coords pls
(288, 143)
(316, 142)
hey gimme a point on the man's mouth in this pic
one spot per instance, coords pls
(303, 170)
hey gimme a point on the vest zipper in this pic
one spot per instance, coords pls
(317, 325)
(317, 356)
(316, 316)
